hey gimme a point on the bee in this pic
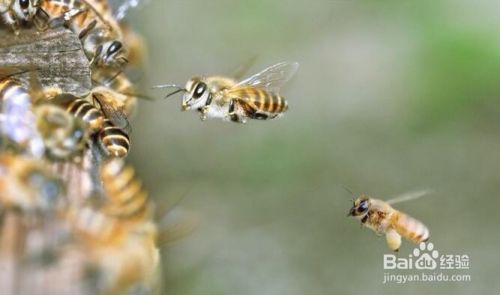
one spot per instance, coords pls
(114, 134)
(127, 197)
(382, 218)
(117, 231)
(256, 97)
(136, 46)
(82, 109)
(17, 121)
(100, 119)
(135, 43)
(14, 12)
(116, 90)
(100, 34)
(64, 135)
(28, 184)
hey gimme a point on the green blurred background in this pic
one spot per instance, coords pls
(391, 96)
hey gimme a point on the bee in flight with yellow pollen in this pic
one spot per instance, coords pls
(383, 219)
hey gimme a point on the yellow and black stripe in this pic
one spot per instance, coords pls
(114, 141)
(13, 89)
(81, 108)
(257, 101)
(127, 198)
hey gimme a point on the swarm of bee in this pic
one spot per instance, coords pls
(74, 218)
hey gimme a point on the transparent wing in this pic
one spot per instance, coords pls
(121, 7)
(410, 196)
(116, 115)
(273, 77)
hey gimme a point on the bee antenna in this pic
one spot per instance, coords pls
(178, 89)
(350, 191)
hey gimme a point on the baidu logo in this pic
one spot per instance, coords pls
(425, 257)
(426, 264)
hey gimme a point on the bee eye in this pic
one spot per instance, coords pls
(199, 90)
(24, 4)
(363, 206)
(114, 47)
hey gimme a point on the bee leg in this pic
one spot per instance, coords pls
(10, 19)
(65, 18)
(203, 111)
(393, 240)
(41, 19)
(231, 112)
(261, 116)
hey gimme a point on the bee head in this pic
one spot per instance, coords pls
(360, 207)
(197, 93)
(62, 133)
(111, 53)
(25, 9)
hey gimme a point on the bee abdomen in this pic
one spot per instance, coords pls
(12, 89)
(88, 113)
(278, 104)
(410, 228)
(128, 199)
(114, 140)
(266, 101)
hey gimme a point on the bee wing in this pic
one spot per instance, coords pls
(7, 72)
(116, 115)
(122, 7)
(273, 77)
(175, 225)
(238, 72)
(410, 196)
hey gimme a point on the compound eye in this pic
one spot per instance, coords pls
(363, 206)
(114, 47)
(25, 4)
(199, 90)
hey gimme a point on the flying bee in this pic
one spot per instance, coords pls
(64, 135)
(100, 34)
(28, 184)
(256, 97)
(382, 218)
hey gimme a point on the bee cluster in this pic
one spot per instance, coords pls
(74, 218)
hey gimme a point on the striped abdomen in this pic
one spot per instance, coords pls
(18, 123)
(13, 89)
(114, 140)
(260, 100)
(81, 108)
(409, 227)
(127, 198)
